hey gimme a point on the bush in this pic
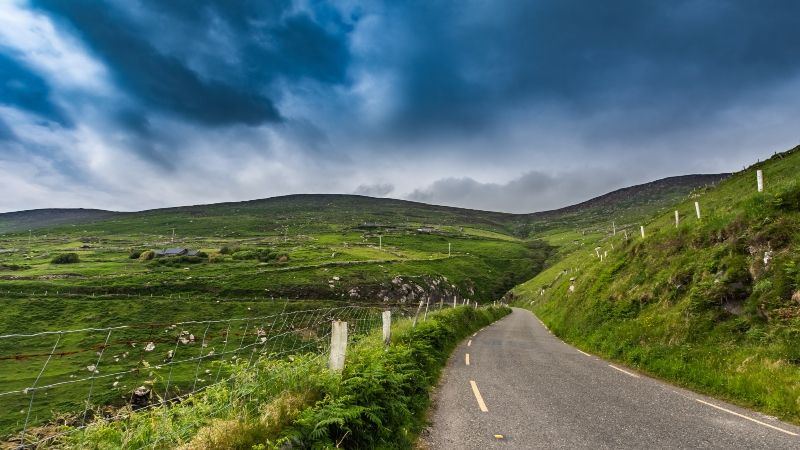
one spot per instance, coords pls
(383, 394)
(147, 255)
(202, 255)
(263, 255)
(225, 250)
(177, 261)
(135, 254)
(66, 258)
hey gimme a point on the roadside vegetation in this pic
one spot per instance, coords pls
(712, 304)
(378, 401)
(253, 259)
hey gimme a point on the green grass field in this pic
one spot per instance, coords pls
(713, 303)
(336, 250)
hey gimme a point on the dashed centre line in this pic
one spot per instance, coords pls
(466, 358)
(748, 418)
(478, 397)
(469, 344)
(583, 352)
(624, 371)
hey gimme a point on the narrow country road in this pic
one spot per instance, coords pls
(515, 385)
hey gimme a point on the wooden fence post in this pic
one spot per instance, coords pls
(760, 180)
(338, 345)
(414, 324)
(387, 327)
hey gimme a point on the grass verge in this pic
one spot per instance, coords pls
(378, 401)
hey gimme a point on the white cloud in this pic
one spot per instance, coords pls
(59, 56)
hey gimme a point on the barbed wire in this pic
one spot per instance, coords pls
(141, 366)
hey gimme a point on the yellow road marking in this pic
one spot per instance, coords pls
(469, 343)
(748, 418)
(583, 352)
(498, 436)
(467, 358)
(478, 397)
(624, 371)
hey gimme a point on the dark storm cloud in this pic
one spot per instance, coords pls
(264, 97)
(157, 80)
(22, 88)
(272, 41)
(675, 61)
(5, 132)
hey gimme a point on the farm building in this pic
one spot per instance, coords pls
(180, 251)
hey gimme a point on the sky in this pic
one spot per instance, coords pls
(502, 105)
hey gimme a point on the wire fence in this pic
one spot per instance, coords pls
(57, 382)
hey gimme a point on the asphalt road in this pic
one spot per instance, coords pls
(539, 392)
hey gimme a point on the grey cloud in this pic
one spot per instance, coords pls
(531, 192)
(23, 88)
(374, 190)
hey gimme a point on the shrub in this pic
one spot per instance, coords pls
(225, 250)
(147, 255)
(263, 255)
(135, 254)
(66, 258)
(176, 261)
(202, 255)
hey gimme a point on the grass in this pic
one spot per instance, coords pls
(712, 304)
(378, 401)
(334, 256)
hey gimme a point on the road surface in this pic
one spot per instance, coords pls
(514, 385)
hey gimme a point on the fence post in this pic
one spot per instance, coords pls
(760, 180)
(387, 327)
(338, 345)
(425, 317)
(454, 302)
(414, 324)
(677, 219)
(697, 208)
(642, 229)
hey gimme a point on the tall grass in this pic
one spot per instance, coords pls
(377, 401)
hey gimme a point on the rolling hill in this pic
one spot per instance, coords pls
(712, 302)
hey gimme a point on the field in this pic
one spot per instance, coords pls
(258, 259)
(712, 303)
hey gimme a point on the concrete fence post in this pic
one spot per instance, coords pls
(642, 230)
(454, 302)
(387, 327)
(697, 209)
(338, 345)
(677, 219)
(416, 316)
(760, 180)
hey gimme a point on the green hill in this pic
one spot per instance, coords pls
(712, 303)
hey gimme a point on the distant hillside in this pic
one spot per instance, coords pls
(623, 206)
(315, 211)
(712, 302)
(41, 218)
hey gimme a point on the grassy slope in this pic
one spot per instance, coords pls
(330, 255)
(712, 304)
(378, 401)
